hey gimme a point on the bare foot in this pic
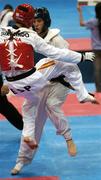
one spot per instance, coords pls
(17, 169)
(71, 148)
(31, 143)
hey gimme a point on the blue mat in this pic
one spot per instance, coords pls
(52, 158)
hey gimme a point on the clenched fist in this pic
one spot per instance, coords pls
(4, 90)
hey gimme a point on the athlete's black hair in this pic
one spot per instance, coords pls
(44, 14)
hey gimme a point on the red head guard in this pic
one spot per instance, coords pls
(24, 14)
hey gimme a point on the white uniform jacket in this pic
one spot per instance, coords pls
(38, 44)
(71, 71)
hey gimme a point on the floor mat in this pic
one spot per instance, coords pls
(34, 178)
(52, 157)
(71, 106)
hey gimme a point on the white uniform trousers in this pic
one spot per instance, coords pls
(52, 98)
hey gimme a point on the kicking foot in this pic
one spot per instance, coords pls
(71, 148)
(90, 98)
(31, 143)
(17, 169)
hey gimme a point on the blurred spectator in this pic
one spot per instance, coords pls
(6, 16)
(94, 25)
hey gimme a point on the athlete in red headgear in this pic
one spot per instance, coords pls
(24, 14)
(17, 62)
(51, 103)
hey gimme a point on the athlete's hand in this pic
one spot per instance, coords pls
(4, 90)
(89, 56)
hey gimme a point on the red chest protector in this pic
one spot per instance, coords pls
(17, 55)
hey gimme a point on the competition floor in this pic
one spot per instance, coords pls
(52, 161)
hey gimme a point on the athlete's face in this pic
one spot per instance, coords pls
(38, 25)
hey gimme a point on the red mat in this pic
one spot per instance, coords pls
(80, 44)
(71, 106)
(34, 178)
